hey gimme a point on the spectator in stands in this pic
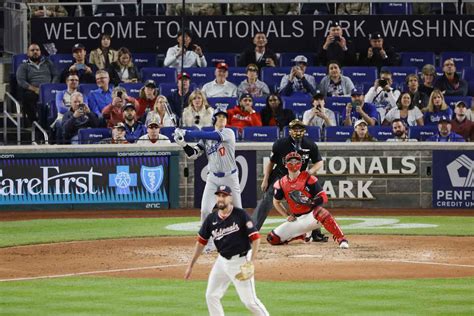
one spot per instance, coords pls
(160, 112)
(359, 109)
(193, 55)
(281, 9)
(405, 111)
(260, 54)
(243, 115)
(334, 84)
(428, 75)
(199, 9)
(118, 135)
(153, 133)
(79, 116)
(84, 70)
(319, 115)
(198, 112)
(400, 132)
(273, 114)
(246, 9)
(102, 96)
(30, 75)
(382, 95)
(220, 87)
(45, 10)
(418, 98)
(317, 8)
(336, 48)
(445, 134)
(146, 98)
(361, 132)
(63, 98)
(450, 83)
(461, 124)
(252, 85)
(113, 112)
(437, 108)
(103, 56)
(421, 8)
(297, 81)
(133, 128)
(353, 8)
(182, 92)
(123, 70)
(378, 54)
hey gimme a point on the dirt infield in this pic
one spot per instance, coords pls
(370, 257)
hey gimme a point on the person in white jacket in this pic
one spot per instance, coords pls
(193, 55)
(382, 95)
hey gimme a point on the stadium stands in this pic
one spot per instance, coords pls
(214, 58)
(313, 132)
(142, 60)
(452, 100)
(259, 103)
(381, 133)
(85, 88)
(417, 59)
(461, 59)
(400, 73)
(61, 61)
(260, 134)
(421, 133)
(297, 104)
(201, 75)
(272, 76)
(361, 75)
(237, 75)
(392, 8)
(133, 89)
(338, 133)
(223, 102)
(93, 135)
(159, 75)
(286, 59)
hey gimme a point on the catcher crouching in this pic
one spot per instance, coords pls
(305, 198)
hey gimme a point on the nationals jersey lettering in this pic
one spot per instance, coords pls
(221, 232)
(220, 154)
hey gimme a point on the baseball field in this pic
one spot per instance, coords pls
(133, 262)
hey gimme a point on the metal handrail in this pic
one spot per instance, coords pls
(7, 115)
(33, 133)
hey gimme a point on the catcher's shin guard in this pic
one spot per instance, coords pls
(274, 239)
(327, 220)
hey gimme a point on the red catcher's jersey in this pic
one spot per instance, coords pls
(302, 183)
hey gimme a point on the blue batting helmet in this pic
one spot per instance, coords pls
(218, 111)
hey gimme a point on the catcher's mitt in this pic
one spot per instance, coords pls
(300, 198)
(246, 271)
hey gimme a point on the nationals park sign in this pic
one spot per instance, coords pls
(305, 33)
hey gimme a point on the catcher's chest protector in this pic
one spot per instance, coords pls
(298, 185)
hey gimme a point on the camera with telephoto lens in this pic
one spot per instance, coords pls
(383, 82)
(337, 38)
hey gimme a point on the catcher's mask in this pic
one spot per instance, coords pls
(297, 129)
(293, 162)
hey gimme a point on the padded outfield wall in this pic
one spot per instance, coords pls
(368, 175)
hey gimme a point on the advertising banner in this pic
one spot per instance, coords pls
(453, 179)
(85, 180)
(305, 33)
(246, 163)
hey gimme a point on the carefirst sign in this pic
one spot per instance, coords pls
(363, 170)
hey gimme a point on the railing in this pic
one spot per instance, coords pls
(15, 33)
(15, 120)
(33, 134)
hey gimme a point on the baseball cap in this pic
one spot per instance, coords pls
(78, 46)
(375, 35)
(335, 24)
(222, 66)
(245, 95)
(152, 121)
(443, 119)
(224, 189)
(358, 122)
(120, 125)
(128, 105)
(460, 103)
(318, 95)
(183, 75)
(356, 91)
(297, 123)
(300, 59)
(150, 84)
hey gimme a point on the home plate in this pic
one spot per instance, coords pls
(305, 256)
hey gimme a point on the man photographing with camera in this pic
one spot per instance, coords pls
(79, 116)
(378, 54)
(382, 95)
(358, 109)
(336, 47)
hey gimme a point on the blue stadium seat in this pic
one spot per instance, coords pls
(224, 102)
(286, 59)
(142, 60)
(338, 102)
(168, 131)
(159, 75)
(48, 92)
(237, 75)
(400, 73)
(381, 133)
(392, 8)
(93, 135)
(260, 134)
(313, 132)
(272, 76)
(17, 60)
(421, 133)
(461, 59)
(468, 74)
(338, 133)
(133, 89)
(417, 59)
(61, 61)
(471, 88)
(452, 100)
(167, 88)
(297, 104)
(201, 75)
(361, 74)
(317, 72)
(214, 58)
(85, 88)
(259, 103)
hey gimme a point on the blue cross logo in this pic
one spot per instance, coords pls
(123, 180)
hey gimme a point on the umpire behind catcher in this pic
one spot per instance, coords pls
(275, 169)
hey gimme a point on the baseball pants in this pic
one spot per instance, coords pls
(303, 224)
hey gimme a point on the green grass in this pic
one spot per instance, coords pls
(121, 296)
(48, 231)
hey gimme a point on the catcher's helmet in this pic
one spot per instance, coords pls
(218, 111)
(293, 167)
